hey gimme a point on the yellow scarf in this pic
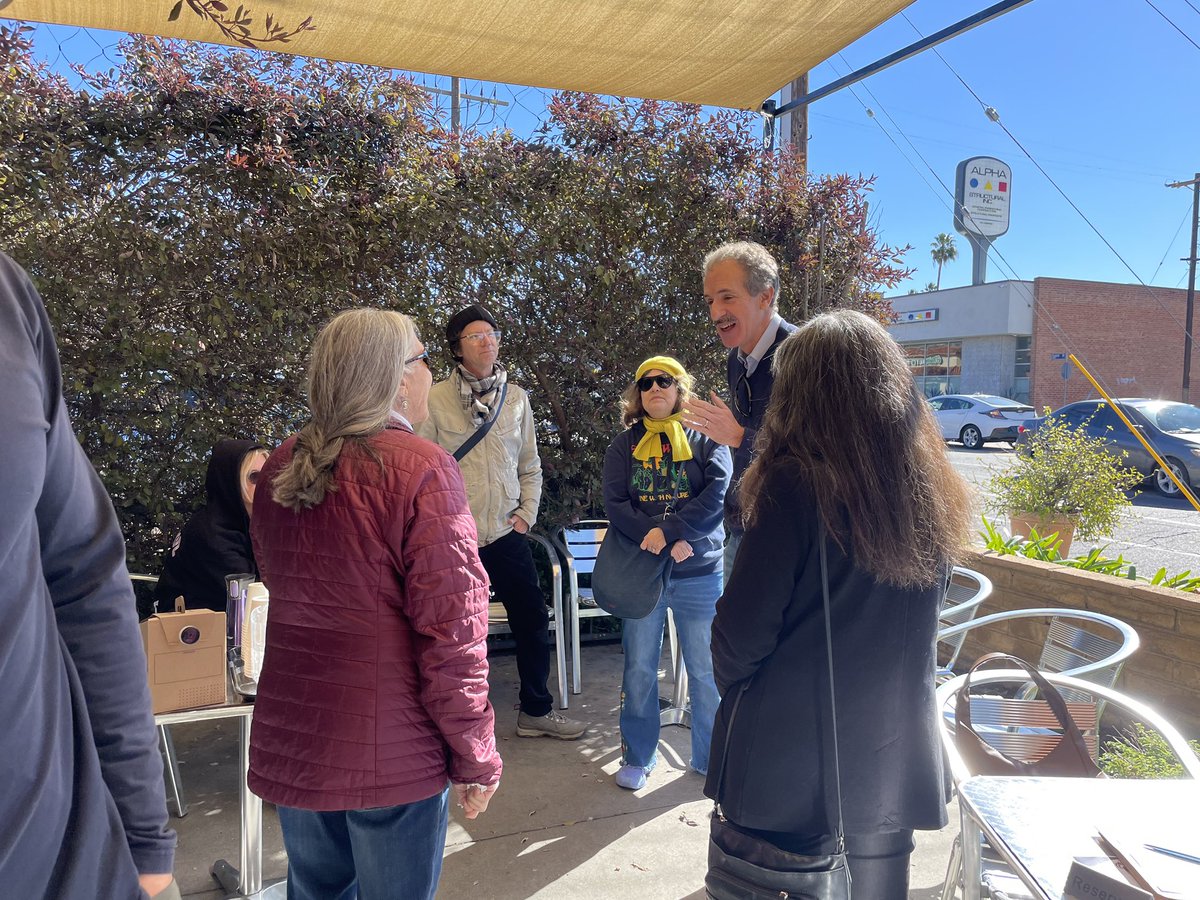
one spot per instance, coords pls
(651, 447)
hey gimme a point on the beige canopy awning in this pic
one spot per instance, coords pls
(733, 53)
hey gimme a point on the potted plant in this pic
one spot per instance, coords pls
(1063, 480)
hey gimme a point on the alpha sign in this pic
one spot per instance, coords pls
(982, 193)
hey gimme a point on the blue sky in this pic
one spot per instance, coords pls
(1102, 93)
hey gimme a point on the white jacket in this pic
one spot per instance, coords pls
(503, 472)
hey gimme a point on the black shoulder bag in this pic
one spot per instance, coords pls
(484, 427)
(628, 581)
(744, 866)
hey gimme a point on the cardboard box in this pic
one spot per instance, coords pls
(185, 658)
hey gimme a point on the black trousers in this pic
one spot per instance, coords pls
(509, 564)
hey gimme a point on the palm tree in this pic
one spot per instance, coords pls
(943, 251)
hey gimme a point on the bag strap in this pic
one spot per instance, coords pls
(837, 770)
(837, 767)
(484, 427)
(1049, 693)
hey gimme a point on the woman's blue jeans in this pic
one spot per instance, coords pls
(369, 854)
(693, 602)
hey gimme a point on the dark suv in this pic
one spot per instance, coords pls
(1172, 428)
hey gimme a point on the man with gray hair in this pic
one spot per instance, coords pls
(741, 288)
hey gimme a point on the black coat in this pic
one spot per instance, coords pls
(770, 631)
(215, 542)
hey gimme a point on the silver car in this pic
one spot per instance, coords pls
(976, 419)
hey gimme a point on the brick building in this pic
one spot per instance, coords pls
(1005, 338)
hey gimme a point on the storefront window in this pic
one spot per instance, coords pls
(936, 367)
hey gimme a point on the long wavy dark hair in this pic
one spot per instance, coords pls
(845, 413)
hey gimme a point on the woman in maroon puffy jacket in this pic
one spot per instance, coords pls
(373, 692)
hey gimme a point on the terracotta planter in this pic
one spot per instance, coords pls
(1023, 522)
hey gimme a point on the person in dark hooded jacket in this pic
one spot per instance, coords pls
(215, 542)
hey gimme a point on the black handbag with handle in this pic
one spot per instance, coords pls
(744, 866)
(628, 581)
(1069, 757)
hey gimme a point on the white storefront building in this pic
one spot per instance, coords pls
(969, 340)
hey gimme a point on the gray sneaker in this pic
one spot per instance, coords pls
(553, 724)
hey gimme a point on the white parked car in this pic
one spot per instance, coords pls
(976, 419)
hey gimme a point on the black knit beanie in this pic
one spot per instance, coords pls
(463, 318)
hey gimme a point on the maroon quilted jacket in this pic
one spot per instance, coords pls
(374, 684)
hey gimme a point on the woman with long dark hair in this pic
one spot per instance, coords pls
(849, 448)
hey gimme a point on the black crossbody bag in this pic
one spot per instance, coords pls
(484, 427)
(744, 866)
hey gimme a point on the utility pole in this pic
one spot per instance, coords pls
(1194, 184)
(798, 122)
(456, 97)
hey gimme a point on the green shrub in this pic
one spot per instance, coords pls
(1141, 753)
(1046, 549)
(1063, 472)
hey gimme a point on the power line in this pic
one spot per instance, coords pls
(1187, 37)
(1186, 212)
(1038, 309)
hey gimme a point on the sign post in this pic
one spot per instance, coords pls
(982, 193)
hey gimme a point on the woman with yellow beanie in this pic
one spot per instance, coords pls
(664, 488)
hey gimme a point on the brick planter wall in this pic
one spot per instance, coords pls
(1165, 670)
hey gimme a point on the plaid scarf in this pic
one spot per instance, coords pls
(479, 395)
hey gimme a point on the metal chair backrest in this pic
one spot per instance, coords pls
(582, 541)
(1080, 652)
(1070, 647)
(579, 545)
(1012, 715)
(1027, 729)
(966, 592)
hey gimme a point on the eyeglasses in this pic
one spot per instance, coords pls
(420, 357)
(480, 336)
(743, 400)
(252, 476)
(648, 381)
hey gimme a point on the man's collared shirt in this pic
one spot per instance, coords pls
(752, 359)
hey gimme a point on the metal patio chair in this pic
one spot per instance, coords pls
(1078, 642)
(1025, 728)
(966, 592)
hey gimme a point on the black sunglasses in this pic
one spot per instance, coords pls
(648, 381)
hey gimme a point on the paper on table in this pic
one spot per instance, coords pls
(1167, 877)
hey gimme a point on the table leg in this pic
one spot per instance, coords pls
(971, 860)
(247, 880)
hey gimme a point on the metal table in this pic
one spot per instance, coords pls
(1039, 825)
(246, 880)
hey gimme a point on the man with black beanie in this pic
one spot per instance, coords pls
(487, 423)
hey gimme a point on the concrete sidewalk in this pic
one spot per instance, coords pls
(559, 827)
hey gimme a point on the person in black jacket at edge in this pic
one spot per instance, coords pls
(83, 815)
(741, 288)
(848, 441)
(215, 542)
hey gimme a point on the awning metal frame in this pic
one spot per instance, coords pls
(772, 111)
